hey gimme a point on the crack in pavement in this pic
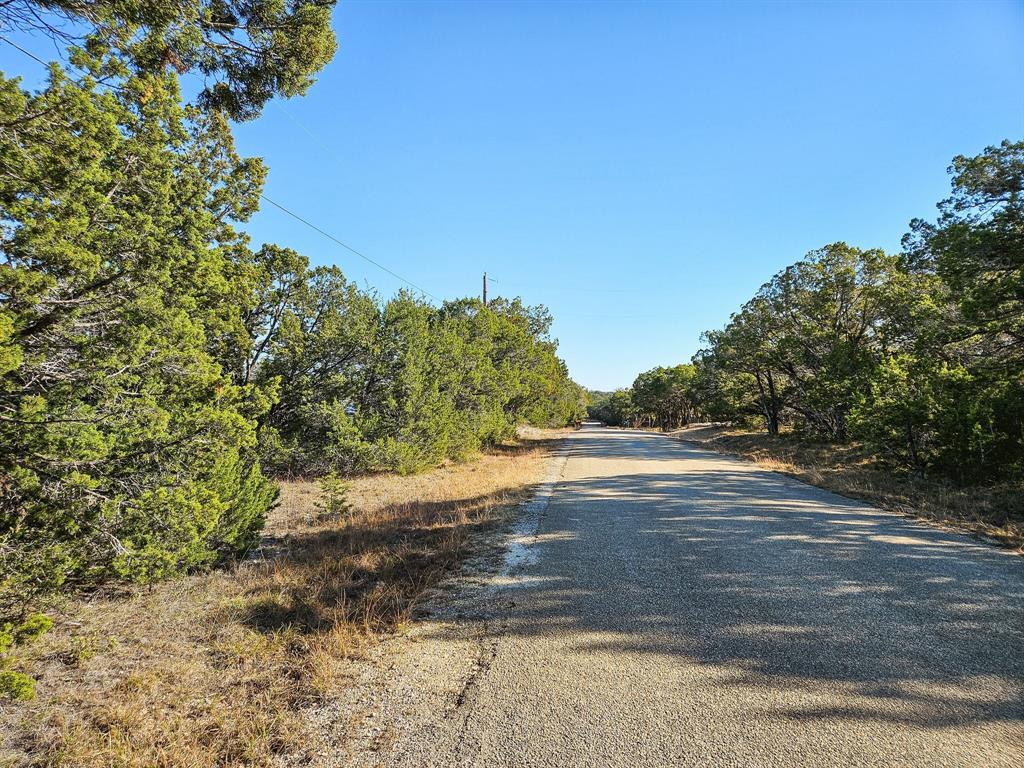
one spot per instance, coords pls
(519, 552)
(665, 605)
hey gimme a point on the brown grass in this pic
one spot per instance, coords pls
(995, 512)
(213, 670)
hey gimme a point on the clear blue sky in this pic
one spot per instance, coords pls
(639, 168)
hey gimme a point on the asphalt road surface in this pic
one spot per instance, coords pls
(686, 608)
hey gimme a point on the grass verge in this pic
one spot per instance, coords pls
(995, 512)
(215, 669)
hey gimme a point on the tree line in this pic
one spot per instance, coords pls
(918, 354)
(156, 369)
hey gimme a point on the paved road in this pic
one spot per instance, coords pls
(686, 608)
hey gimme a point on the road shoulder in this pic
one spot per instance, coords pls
(409, 702)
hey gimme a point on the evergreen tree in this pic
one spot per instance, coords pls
(918, 354)
(124, 448)
(247, 51)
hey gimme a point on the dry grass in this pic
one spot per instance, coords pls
(995, 512)
(213, 670)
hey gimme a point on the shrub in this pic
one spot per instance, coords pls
(13, 684)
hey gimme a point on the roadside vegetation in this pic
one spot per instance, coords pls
(907, 366)
(158, 372)
(228, 667)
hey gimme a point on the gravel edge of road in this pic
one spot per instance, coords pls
(410, 693)
(425, 701)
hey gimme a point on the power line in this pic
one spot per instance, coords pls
(563, 288)
(27, 53)
(348, 247)
(65, 64)
(316, 139)
(325, 148)
(294, 215)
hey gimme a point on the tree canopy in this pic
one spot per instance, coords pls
(156, 370)
(919, 354)
(246, 51)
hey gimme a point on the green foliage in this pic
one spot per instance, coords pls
(397, 386)
(613, 408)
(443, 382)
(335, 503)
(811, 336)
(665, 396)
(152, 365)
(25, 631)
(922, 414)
(13, 684)
(668, 398)
(126, 450)
(921, 354)
(247, 51)
(308, 339)
(722, 394)
(976, 253)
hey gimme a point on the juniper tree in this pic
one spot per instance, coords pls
(124, 446)
(246, 51)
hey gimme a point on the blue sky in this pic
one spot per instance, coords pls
(639, 168)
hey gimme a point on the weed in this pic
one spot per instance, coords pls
(216, 669)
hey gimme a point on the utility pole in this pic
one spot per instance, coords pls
(485, 289)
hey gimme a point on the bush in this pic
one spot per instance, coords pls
(13, 684)
(334, 503)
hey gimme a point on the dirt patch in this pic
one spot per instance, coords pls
(994, 512)
(222, 669)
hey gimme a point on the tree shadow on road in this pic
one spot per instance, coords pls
(780, 585)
